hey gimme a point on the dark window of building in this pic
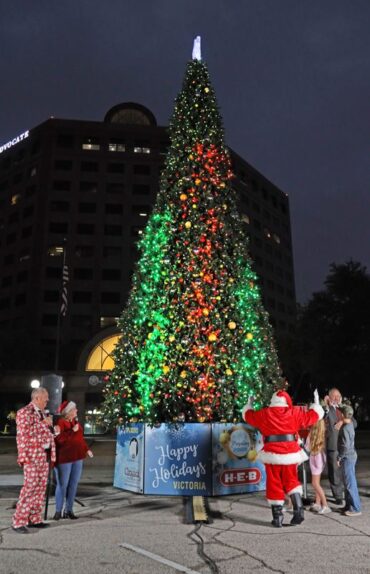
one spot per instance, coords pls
(142, 169)
(257, 241)
(35, 147)
(116, 168)
(28, 211)
(58, 227)
(61, 185)
(89, 186)
(107, 321)
(84, 251)
(5, 303)
(32, 171)
(283, 208)
(27, 231)
(141, 210)
(111, 274)
(63, 164)
(113, 208)
(7, 281)
(17, 178)
(81, 296)
(270, 284)
(83, 273)
(269, 265)
(256, 207)
(274, 202)
(282, 325)
(85, 228)
(4, 185)
(87, 207)
(281, 307)
(271, 303)
(51, 296)
(59, 206)
(112, 251)
(65, 141)
(108, 297)
(265, 194)
(258, 261)
(90, 166)
(9, 259)
(256, 224)
(81, 321)
(49, 320)
(140, 189)
(30, 190)
(112, 229)
(13, 218)
(91, 144)
(115, 188)
(24, 255)
(53, 272)
(22, 276)
(11, 238)
(163, 147)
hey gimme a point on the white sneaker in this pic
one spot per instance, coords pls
(315, 507)
(324, 510)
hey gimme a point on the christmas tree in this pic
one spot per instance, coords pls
(196, 341)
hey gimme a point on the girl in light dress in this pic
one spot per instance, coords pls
(315, 443)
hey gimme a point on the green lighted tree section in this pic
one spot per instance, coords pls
(196, 341)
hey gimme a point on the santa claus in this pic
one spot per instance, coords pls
(279, 424)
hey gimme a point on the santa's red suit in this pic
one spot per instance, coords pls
(279, 424)
(35, 443)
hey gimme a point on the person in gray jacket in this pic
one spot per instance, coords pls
(333, 424)
(347, 458)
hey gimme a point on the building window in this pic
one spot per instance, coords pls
(88, 186)
(142, 169)
(9, 259)
(7, 281)
(116, 168)
(51, 296)
(11, 238)
(109, 297)
(58, 227)
(84, 251)
(256, 224)
(136, 231)
(22, 276)
(87, 207)
(111, 274)
(33, 171)
(81, 321)
(85, 228)
(112, 251)
(140, 189)
(101, 357)
(65, 141)
(63, 164)
(142, 149)
(112, 230)
(55, 251)
(276, 238)
(83, 273)
(53, 272)
(115, 188)
(24, 256)
(28, 211)
(59, 206)
(27, 231)
(117, 145)
(14, 217)
(17, 178)
(61, 185)
(49, 320)
(81, 296)
(91, 166)
(5, 303)
(91, 144)
(114, 208)
(15, 199)
(107, 321)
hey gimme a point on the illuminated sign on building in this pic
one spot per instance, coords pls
(14, 141)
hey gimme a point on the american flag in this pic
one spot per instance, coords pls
(65, 279)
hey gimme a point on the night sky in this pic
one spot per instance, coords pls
(292, 79)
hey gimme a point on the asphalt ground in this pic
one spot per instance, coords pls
(123, 532)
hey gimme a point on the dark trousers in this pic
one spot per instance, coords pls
(335, 474)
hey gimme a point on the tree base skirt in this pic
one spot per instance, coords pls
(189, 459)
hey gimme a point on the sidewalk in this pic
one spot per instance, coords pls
(115, 527)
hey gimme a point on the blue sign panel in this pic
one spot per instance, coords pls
(128, 472)
(178, 460)
(235, 468)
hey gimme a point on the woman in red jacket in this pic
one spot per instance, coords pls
(71, 450)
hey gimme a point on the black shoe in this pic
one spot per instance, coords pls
(70, 515)
(298, 510)
(278, 516)
(339, 501)
(57, 516)
(20, 530)
(38, 525)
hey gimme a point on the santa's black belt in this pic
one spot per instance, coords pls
(280, 438)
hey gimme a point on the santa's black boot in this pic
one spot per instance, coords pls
(298, 510)
(278, 516)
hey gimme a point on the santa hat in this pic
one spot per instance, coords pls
(281, 399)
(66, 406)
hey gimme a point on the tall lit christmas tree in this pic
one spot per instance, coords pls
(196, 341)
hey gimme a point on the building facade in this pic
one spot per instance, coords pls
(88, 187)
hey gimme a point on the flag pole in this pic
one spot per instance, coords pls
(62, 308)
